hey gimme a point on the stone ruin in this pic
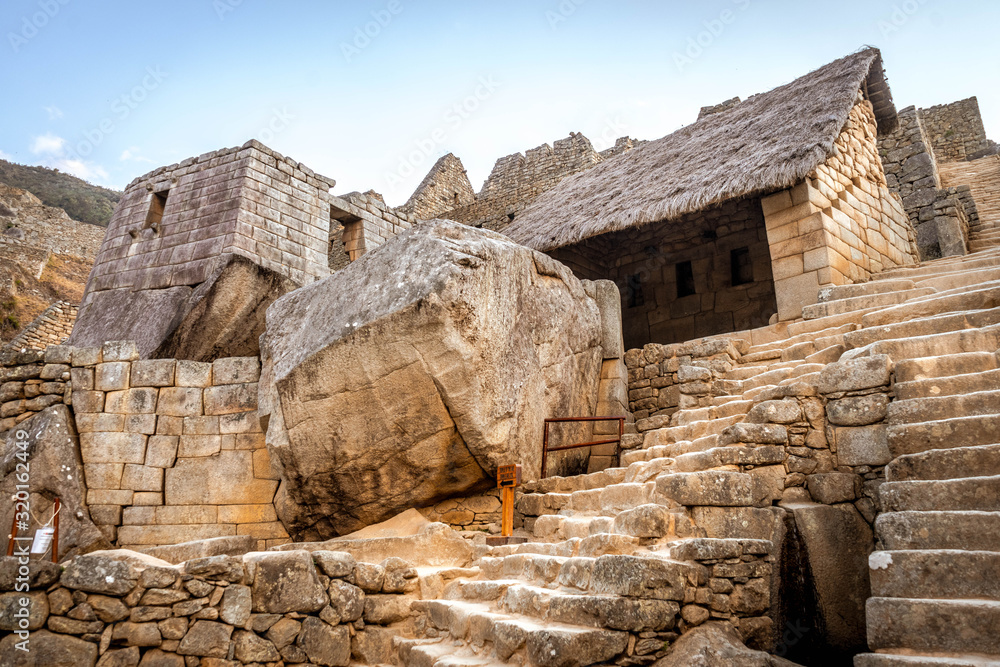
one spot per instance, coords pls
(276, 428)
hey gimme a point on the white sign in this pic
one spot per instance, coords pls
(43, 538)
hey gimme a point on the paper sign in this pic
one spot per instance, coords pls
(43, 538)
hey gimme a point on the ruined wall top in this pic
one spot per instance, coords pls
(718, 108)
(445, 187)
(955, 130)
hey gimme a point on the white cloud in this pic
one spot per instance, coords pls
(52, 153)
(132, 154)
(5, 156)
(48, 144)
(55, 113)
(88, 171)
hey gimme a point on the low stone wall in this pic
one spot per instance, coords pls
(663, 379)
(31, 381)
(857, 394)
(52, 327)
(172, 450)
(113, 608)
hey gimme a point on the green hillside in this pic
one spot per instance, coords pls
(81, 200)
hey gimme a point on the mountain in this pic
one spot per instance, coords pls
(81, 200)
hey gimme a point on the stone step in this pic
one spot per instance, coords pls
(960, 494)
(572, 571)
(976, 531)
(983, 297)
(937, 660)
(930, 408)
(544, 644)
(691, 431)
(910, 370)
(941, 266)
(986, 339)
(767, 378)
(971, 626)
(958, 279)
(943, 434)
(923, 326)
(592, 480)
(956, 463)
(939, 574)
(440, 652)
(864, 289)
(967, 383)
(714, 488)
(589, 610)
(864, 302)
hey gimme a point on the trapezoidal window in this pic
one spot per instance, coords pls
(156, 207)
(741, 266)
(685, 279)
(634, 296)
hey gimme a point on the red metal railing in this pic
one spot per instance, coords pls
(559, 420)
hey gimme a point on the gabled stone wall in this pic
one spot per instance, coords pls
(840, 225)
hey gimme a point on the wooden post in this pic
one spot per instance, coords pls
(507, 525)
(508, 476)
(55, 535)
(13, 534)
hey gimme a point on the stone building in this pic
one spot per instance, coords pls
(744, 214)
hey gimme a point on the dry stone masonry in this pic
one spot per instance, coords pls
(294, 461)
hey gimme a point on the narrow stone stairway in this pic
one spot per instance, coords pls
(983, 177)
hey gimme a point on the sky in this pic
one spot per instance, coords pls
(372, 93)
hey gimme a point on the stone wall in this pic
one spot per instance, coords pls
(840, 225)
(113, 608)
(25, 220)
(173, 224)
(31, 381)
(955, 130)
(658, 387)
(172, 450)
(52, 327)
(646, 269)
(718, 108)
(940, 217)
(360, 223)
(446, 187)
(518, 179)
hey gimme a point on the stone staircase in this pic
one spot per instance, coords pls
(618, 563)
(983, 177)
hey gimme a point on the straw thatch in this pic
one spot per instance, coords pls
(767, 143)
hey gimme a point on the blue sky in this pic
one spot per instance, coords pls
(372, 93)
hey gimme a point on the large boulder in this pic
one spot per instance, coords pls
(221, 317)
(52, 451)
(409, 376)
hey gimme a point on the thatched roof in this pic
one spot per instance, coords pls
(767, 143)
